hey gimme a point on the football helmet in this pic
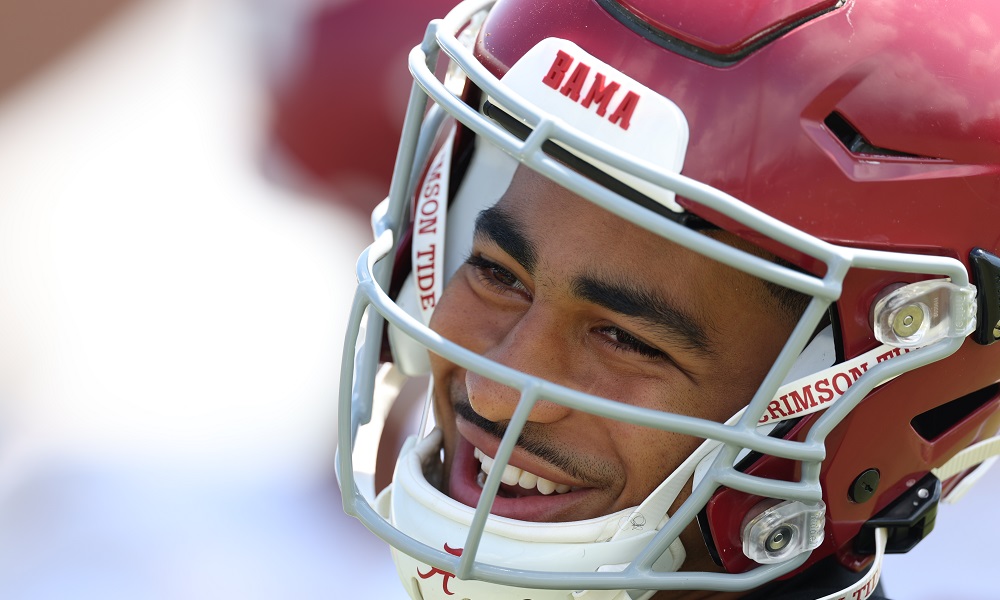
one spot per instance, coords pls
(854, 145)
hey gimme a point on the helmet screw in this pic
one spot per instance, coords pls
(779, 538)
(907, 320)
(864, 486)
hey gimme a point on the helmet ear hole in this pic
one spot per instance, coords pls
(932, 424)
(854, 141)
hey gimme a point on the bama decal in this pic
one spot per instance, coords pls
(815, 392)
(589, 90)
(578, 94)
(428, 229)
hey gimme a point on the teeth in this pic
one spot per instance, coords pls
(512, 475)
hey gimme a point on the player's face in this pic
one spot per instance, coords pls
(563, 290)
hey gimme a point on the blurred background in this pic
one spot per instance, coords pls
(184, 187)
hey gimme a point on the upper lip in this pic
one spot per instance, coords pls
(519, 458)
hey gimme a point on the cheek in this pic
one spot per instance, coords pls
(463, 317)
(452, 317)
(650, 454)
(747, 366)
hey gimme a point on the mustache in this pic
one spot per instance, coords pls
(529, 440)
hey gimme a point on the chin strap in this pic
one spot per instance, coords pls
(983, 453)
(860, 590)
(865, 586)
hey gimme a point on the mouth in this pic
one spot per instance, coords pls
(515, 482)
(524, 494)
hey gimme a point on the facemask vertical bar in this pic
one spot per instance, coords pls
(675, 525)
(427, 413)
(357, 384)
(347, 426)
(529, 396)
(380, 251)
(401, 176)
(700, 496)
(793, 347)
(426, 54)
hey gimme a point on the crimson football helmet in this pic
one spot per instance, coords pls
(856, 141)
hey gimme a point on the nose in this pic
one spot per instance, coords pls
(535, 345)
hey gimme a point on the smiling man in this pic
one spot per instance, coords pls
(697, 320)
(558, 288)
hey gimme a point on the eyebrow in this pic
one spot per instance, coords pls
(499, 227)
(613, 293)
(666, 319)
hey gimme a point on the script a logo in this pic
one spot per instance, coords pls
(445, 575)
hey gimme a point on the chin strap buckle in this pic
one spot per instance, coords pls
(907, 520)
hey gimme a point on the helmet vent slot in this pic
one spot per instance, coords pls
(939, 420)
(856, 143)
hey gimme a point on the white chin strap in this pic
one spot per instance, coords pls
(865, 586)
(984, 454)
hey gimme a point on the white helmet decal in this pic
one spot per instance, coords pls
(594, 98)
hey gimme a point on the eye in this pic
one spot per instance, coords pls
(626, 342)
(494, 275)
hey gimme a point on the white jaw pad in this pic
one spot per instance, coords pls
(594, 98)
(422, 512)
